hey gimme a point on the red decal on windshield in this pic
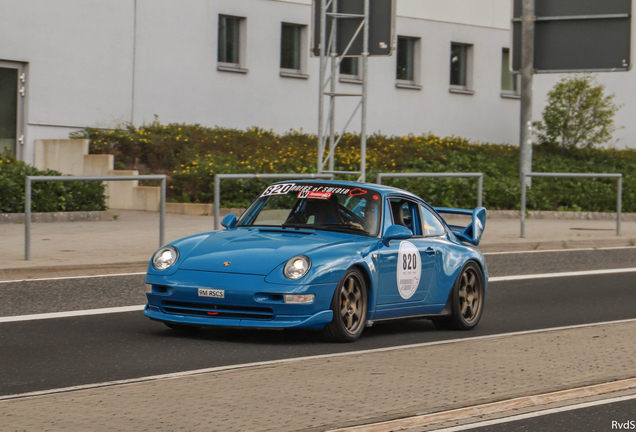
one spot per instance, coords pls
(357, 191)
(315, 195)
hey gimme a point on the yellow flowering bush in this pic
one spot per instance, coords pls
(192, 154)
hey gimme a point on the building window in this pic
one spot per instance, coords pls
(349, 66)
(405, 59)
(231, 35)
(508, 79)
(460, 68)
(290, 47)
(292, 41)
(407, 62)
(350, 70)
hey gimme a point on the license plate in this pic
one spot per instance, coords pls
(214, 293)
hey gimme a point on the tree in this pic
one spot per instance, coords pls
(578, 114)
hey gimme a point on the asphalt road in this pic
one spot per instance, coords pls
(53, 353)
(602, 418)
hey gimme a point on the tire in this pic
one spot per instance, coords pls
(349, 306)
(182, 327)
(466, 299)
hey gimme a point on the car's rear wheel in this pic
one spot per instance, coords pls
(349, 306)
(466, 298)
(182, 327)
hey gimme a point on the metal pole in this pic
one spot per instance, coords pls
(480, 190)
(332, 97)
(322, 47)
(162, 213)
(527, 70)
(217, 200)
(523, 206)
(365, 86)
(27, 219)
(619, 205)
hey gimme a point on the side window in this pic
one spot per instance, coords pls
(292, 51)
(407, 65)
(231, 44)
(405, 213)
(431, 226)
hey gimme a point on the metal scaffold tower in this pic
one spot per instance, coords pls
(346, 28)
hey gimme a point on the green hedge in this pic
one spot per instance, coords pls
(45, 196)
(192, 154)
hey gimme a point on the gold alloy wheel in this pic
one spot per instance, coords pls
(471, 293)
(352, 303)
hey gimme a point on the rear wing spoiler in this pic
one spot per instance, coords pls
(471, 233)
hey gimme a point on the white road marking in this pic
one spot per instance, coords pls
(299, 359)
(536, 414)
(560, 250)
(140, 307)
(68, 314)
(509, 406)
(563, 274)
(72, 277)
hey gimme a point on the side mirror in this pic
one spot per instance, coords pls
(229, 221)
(396, 232)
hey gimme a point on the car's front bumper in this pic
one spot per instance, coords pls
(248, 301)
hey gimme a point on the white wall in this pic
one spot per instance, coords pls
(103, 63)
(176, 69)
(486, 13)
(79, 56)
(189, 88)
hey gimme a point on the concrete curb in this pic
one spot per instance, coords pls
(558, 244)
(141, 266)
(79, 216)
(540, 214)
(72, 270)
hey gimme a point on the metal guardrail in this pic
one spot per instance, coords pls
(27, 200)
(219, 177)
(480, 179)
(619, 194)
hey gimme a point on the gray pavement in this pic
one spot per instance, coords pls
(127, 243)
(318, 393)
(344, 390)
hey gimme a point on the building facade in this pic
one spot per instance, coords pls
(67, 64)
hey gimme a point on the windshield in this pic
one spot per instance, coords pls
(316, 206)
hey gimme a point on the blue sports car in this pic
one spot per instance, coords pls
(325, 255)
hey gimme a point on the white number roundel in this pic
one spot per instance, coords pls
(409, 269)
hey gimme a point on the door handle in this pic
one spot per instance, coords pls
(429, 251)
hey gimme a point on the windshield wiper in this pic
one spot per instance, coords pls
(342, 227)
(295, 225)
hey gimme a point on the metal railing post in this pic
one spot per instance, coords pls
(480, 190)
(162, 213)
(27, 219)
(619, 192)
(522, 234)
(480, 179)
(219, 177)
(619, 205)
(217, 201)
(28, 189)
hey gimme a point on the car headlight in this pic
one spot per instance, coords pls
(165, 258)
(297, 267)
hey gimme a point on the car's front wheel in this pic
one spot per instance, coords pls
(466, 299)
(349, 306)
